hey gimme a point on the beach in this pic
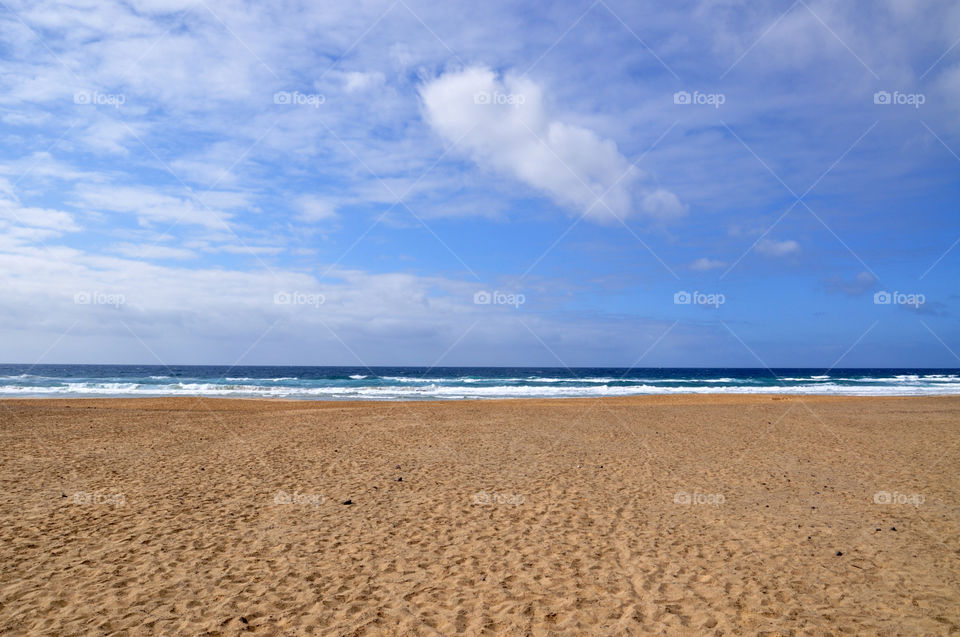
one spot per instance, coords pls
(667, 515)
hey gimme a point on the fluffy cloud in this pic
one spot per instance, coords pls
(503, 125)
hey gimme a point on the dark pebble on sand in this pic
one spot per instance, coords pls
(839, 553)
(244, 620)
(893, 528)
(348, 501)
(399, 479)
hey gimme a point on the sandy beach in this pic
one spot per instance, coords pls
(684, 515)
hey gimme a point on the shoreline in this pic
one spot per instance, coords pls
(679, 398)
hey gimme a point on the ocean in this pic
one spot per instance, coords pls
(457, 383)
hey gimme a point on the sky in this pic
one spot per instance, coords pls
(609, 183)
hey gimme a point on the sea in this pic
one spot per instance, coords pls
(458, 383)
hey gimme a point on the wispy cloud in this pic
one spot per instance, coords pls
(704, 264)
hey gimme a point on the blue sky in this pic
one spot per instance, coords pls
(662, 184)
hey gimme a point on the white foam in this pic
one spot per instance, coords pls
(453, 392)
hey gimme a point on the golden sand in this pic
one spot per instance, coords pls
(686, 515)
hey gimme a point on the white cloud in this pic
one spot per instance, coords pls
(772, 248)
(110, 136)
(503, 125)
(210, 314)
(225, 199)
(150, 206)
(248, 250)
(704, 264)
(147, 251)
(43, 166)
(662, 204)
(215, 165)
(313, 208)
(39, 217)
(26, 224)
(356, 81)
